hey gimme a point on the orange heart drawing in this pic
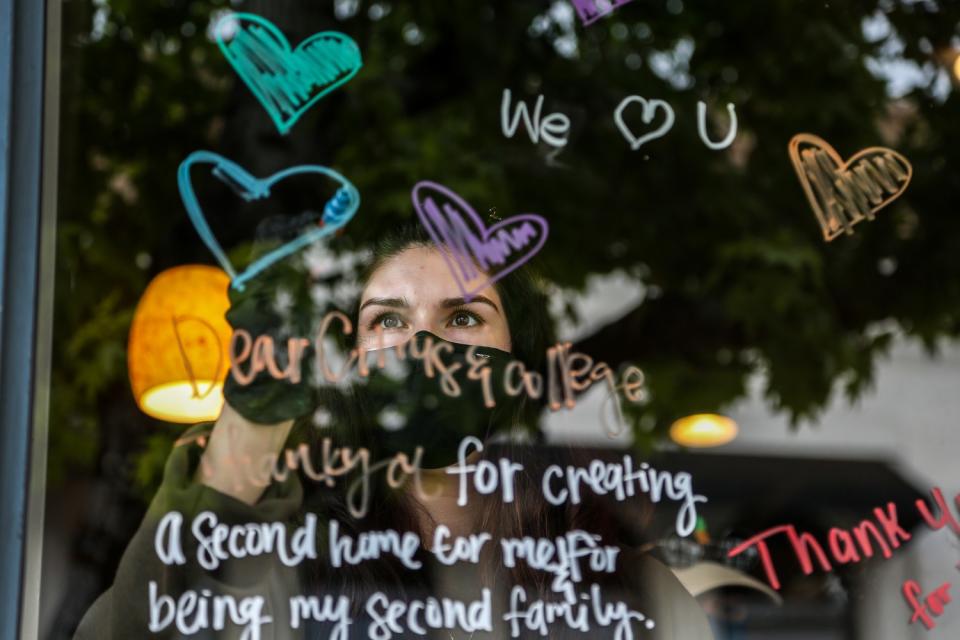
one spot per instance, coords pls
(844, 193)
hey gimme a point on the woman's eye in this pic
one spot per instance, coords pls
(464, 319)
(389, 321)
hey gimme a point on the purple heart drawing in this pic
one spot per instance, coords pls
(477, 255)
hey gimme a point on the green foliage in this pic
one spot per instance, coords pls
(150, 462)
(744, 282)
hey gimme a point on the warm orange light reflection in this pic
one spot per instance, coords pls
(178, 402)
(703, 430)
(177, 354)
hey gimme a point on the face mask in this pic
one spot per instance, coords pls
(424, 397)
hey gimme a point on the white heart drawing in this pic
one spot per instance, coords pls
(649, 111)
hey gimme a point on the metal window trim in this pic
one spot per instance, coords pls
(29, 63)
(49, 177)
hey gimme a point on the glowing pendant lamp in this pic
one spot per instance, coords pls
(177, 354)
(703, 430)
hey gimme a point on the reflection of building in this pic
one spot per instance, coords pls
(748, 494)
(893, 445)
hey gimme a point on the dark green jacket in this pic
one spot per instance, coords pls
(124, 610)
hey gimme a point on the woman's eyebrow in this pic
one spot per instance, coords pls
(450, 303)
(396, 303)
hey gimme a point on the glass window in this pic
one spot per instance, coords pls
(504, 319)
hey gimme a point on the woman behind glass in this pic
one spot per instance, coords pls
(409, 302)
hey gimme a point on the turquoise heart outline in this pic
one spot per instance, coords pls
(338, 211)
(283, 66)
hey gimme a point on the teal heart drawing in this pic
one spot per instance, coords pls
(286, 82)
(337, 212)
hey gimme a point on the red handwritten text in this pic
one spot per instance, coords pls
(847, 546)
(932, 604)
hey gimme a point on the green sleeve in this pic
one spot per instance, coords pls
(124, 610)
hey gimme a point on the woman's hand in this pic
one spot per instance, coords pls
(233, 458)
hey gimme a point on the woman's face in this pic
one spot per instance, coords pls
(415, 291)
